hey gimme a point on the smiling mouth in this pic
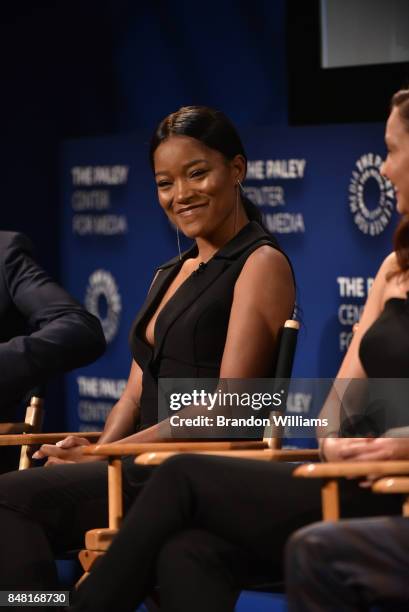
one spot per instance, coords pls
(189, 210)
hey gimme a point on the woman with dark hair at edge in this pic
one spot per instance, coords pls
(205, 526)
(212, 312)
(364, 563)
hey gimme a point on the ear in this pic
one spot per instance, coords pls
(238, 167)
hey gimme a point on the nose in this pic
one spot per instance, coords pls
(383, 168)
(183, 191)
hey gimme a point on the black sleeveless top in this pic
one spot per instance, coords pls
(383, 399)
(384, 350)
(191, 329)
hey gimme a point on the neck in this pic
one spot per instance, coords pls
(208, 245)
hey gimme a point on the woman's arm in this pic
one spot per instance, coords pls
(333, 448)
(264, 297)
(122, 419)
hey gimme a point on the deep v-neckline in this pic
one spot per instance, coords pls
(204, 274)
(156, 303)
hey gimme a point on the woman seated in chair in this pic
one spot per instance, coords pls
(204, 525)
(212, 312)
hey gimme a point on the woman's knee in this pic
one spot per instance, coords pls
(187, 464)
(41, 489)
(175, 467)
(16, 489)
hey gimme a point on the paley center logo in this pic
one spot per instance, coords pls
(371, 196)
(103, 299)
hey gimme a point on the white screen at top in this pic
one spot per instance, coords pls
(362, 32)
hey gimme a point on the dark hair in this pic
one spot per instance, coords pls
(400, 100)
(213, 129)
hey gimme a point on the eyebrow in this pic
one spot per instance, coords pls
(191, 163)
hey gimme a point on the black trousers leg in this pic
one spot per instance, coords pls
(251, 505)
(349, 566)
(44, 511)
(199, 571)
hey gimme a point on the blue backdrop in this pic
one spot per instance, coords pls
(321, 193)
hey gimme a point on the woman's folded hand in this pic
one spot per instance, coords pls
(68, 450)
(366, 449)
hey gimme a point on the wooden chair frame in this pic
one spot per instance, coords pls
(27, 434)
(331, 472)
(33, 422)
(394, 484)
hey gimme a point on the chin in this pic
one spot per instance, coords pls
(402, 208)
(191, 231)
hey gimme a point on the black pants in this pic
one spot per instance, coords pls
(46, 511)
(202, 527)
(350, 566)
(9, 458)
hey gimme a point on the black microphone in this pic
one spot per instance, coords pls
(201, 268)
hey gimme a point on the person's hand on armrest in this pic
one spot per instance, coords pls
(68, 450)
(344, 449)
(366, 449)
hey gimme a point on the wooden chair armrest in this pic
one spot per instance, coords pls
(394, 484)
(351, 469)
(330, 472)
(156, 458)
(45, 438)
(296, 454)
(118, 450)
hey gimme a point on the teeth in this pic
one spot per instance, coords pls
(190, 208)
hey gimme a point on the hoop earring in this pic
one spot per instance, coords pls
(178, 241)
(236, 208)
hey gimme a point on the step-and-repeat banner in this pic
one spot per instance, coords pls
(322, 195)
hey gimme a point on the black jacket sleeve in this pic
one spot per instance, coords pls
(43, 330)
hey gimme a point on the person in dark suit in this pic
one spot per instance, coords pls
(43, 330)
(349, 566)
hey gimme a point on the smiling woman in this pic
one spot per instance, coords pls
(199, 163)
(198, 189)
(220, 323)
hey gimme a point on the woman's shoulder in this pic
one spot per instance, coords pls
(390, 263)
(267, 259)
(388, 268)
(381, 287)
(266, 272)
(267, 255)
